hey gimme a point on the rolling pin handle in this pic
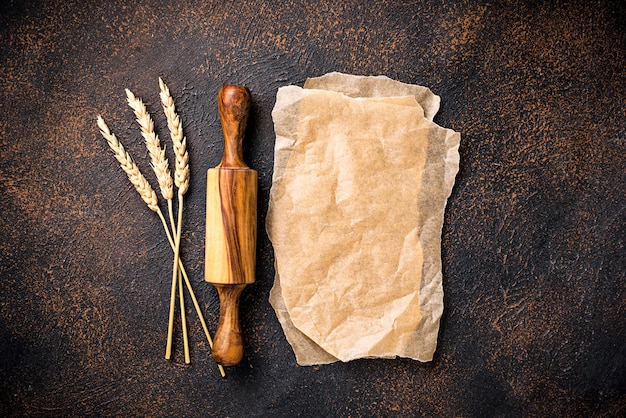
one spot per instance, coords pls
(228, 342)
(233, 103)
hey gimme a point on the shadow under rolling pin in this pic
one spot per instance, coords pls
(231, 224)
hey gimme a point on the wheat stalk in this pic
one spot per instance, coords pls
(150, 198)
(181, 179)
(162, 171)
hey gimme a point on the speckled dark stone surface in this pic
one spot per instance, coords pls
(533, 241)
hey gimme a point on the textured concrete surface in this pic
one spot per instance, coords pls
(533, 241)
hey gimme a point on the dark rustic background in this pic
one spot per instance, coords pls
(533, 241)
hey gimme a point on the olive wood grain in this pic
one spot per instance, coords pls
(231, 224)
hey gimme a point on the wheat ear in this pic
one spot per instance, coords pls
(149, 197)
(130, 168)
(162, 171)
(157, 154)
(181, 174)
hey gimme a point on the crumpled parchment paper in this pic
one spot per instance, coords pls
(361, 179)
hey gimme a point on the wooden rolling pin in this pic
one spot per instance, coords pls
(231, 224)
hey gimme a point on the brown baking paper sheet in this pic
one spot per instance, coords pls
(356, 210)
